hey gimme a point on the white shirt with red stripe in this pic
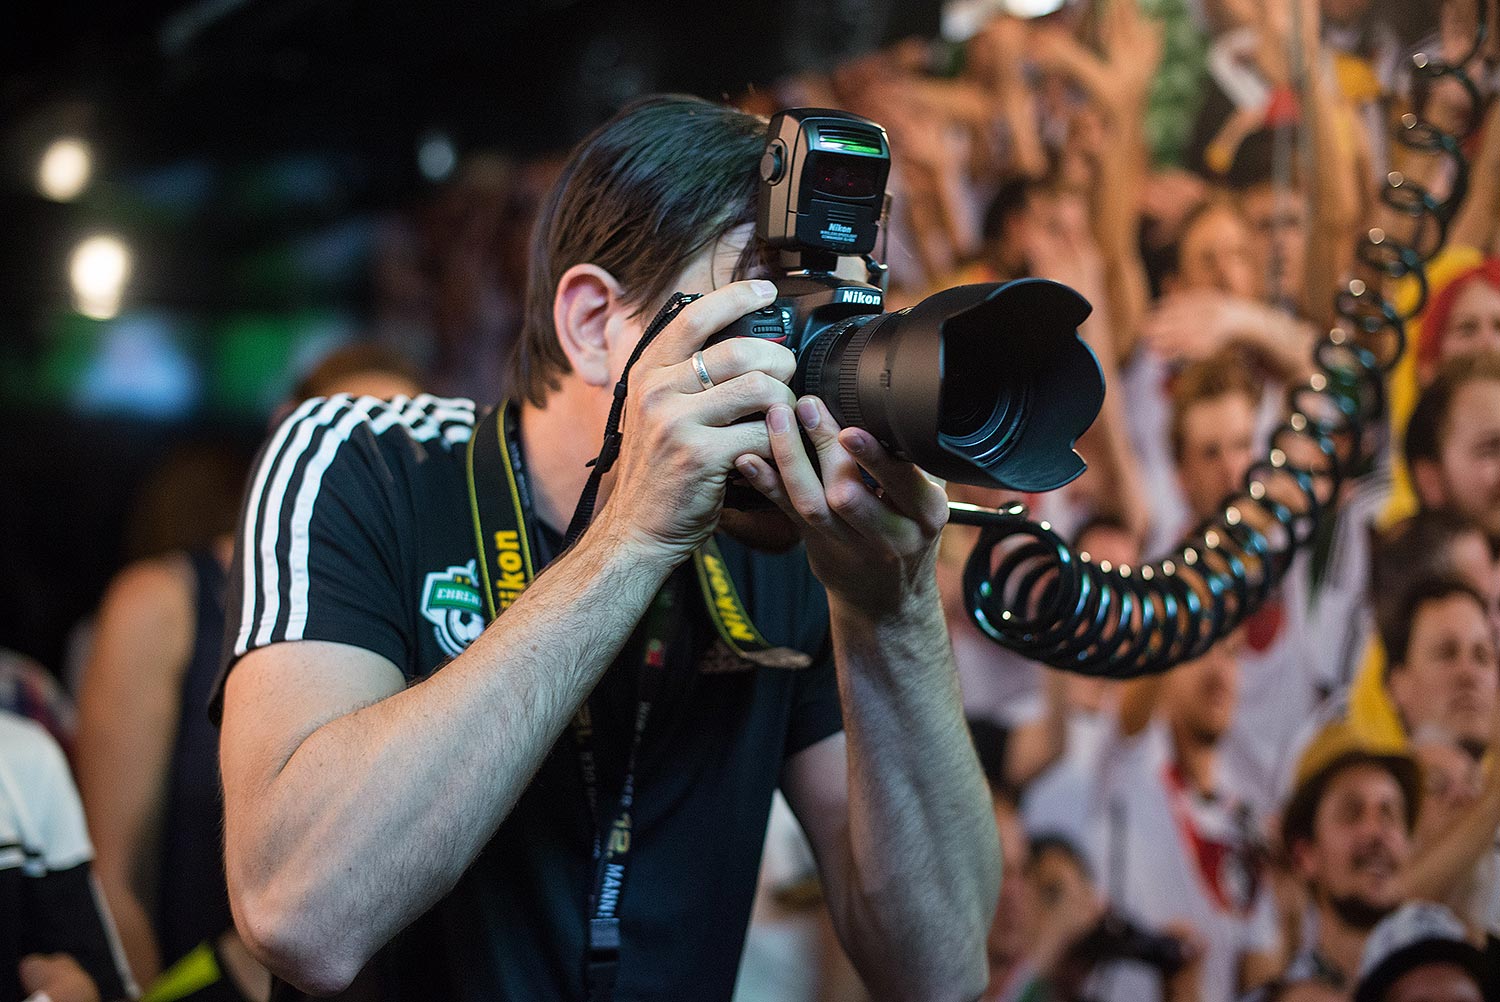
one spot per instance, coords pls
(1167, 854)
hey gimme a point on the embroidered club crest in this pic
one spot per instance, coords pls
(452, 603)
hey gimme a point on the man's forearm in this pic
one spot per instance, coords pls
(379, 811)
(922, 871)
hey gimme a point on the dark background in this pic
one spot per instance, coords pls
(248, 151)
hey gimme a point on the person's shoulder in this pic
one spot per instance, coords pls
(30, 754)
(333, 438)
(158, 590)
(443, 422)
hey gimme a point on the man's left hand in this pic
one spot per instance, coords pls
(871, 548)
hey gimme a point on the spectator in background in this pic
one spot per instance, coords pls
(1014, 704)
(1177, 838)
(29, 690)
(1014, 973)
(1434, 543)
(1458, 832)
(1462, 318)
(147, 753)
(1444, 670)
(1057, 801)
(1453, 441)
(1347, 831)
(1214, 405)
(450, 273)
(1282, 674)
(57, 941)
(1419, 954)
(1211, 300)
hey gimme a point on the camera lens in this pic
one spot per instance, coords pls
(983, 384)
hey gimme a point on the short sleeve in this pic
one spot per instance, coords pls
(324, 542)
(59, 833)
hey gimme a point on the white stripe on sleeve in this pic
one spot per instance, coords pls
(270, 527)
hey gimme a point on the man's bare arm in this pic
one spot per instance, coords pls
(897, 811)
(353, 804)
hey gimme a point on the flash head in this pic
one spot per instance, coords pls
(822, 182)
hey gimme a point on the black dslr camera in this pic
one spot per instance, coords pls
(983, 384)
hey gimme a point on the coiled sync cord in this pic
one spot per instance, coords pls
(1028, 590)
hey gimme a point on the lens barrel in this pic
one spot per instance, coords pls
(984, 384)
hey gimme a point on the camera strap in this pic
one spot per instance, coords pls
(508, 562)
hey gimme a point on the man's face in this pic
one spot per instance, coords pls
(1451, 673)
(1359, 843)
(1469, 455)
(1277, 226)
(1214, 253)
(1218, 448)
(1199, 696)
(1062, 893)
(1436, 982)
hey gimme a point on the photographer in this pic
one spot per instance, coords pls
(405, 832)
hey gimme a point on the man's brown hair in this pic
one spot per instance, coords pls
(638, 197)
(1219, 375)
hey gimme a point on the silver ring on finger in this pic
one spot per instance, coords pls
(702, 370)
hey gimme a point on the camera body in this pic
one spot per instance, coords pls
(981, 384)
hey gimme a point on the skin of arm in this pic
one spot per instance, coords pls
(1117, 85)
(128, 712)
(1476, 223)
(1434, 872)
(1333, 188)
(896, 806)
(1197, 322)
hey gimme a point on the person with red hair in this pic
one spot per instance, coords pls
(1463, 317)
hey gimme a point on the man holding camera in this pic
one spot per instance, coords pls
(573, 806)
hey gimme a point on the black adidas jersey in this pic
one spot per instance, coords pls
(356, 529)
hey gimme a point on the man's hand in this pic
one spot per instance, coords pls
(58, 977)
(870, 548)
(682, 438)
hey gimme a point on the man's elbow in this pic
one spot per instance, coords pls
(310, 953)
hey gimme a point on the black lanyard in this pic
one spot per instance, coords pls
(611, 846)
(507, 565)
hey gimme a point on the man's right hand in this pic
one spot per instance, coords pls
(681, 438)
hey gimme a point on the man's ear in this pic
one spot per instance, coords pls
(587, 299)
(1427, 481)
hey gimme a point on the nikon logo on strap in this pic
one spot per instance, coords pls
(510, 576)
(724, 599)
(730, 618)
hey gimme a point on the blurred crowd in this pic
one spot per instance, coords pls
(1309, 811)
